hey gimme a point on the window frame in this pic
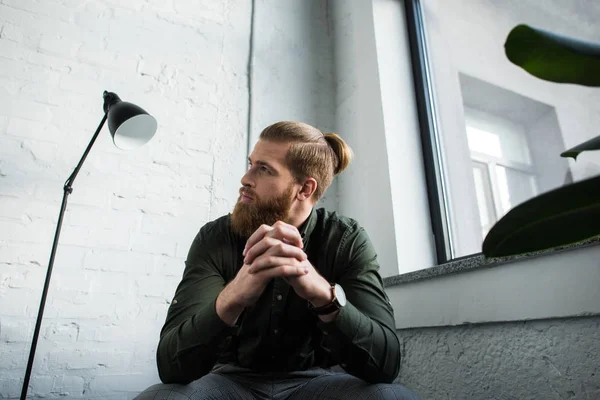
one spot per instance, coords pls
(437, 192)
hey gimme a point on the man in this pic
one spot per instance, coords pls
(277, 293)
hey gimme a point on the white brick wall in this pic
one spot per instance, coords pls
(132, 215)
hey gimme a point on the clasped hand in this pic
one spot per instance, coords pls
(277, 251)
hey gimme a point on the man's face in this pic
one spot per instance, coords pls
(268, 189)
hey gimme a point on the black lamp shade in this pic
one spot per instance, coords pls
(130, 126)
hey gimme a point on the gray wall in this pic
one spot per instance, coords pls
(544, 359)
(292, 69)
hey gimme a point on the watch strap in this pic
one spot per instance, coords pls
(334, 305)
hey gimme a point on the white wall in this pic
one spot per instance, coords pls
(132, 215)
(384, 187)
(292, 69)
(556, 285)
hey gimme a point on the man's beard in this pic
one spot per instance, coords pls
(248, 217)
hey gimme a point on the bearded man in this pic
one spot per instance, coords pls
(280, 300)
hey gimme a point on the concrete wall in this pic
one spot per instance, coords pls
(527, 360)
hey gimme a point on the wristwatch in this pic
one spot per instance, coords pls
(339, 301)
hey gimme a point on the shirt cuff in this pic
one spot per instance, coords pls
(346, 322)
(211, 322)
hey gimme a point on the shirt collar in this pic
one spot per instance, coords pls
(308, 226)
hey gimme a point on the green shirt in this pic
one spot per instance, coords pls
(280, 333)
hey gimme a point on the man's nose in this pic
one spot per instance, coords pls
(247, 180)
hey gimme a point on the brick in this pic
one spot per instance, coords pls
(72, 281)
(82, 359)
(59, 45)
(120, 7)
(102, 218)
(25, 253)
(41, 385)
(12, 32)
(169, 266)
(74, 235)
(12, 359)
(109, 282)
(23, 71)
(183, 248)
(204, 9)
(90, 194)
(163, 288)
(68, 386)
(34, 129)
(41, 151)
(177, 227)
(111, 333)
(81, 85)
(116, 260)
(49, 190)
(14, 208)
(44, 94)
(8, 87)
(25, 109)
(155, 308)
(117, 239)
(121, 383)
(10, 387)
(3, 120)
(74, 306)
(69, 258)
(38, 232)
(13, 54)
(153, 244)
(95, 53)
(20, 302)
(61, 331)
(15, 330)
(27, 278)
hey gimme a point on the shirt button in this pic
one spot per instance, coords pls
(279, 297)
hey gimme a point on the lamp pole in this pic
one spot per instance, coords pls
(125, 111)
(67, 190)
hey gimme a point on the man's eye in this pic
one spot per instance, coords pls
(264, 169)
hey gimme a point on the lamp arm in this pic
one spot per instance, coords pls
(71, 179)
(67, 190)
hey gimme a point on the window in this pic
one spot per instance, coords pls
(492, 134)
(503, 174)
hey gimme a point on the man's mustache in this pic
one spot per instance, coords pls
(248, 193)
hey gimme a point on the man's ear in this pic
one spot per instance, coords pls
(308, 188)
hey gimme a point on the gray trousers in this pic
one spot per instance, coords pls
(230, 382)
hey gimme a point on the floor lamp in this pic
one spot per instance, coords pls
(130, 127)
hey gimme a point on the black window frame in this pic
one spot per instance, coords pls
(430, 134)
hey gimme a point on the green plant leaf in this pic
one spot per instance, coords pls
(559, 217)
(592, 144)
(554, 57)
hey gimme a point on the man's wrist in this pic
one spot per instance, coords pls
(324, 295)
(226, 306)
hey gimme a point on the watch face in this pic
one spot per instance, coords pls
(340, 295)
